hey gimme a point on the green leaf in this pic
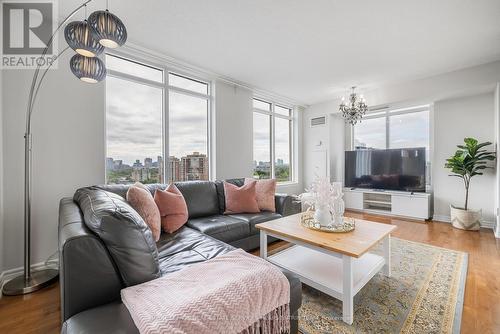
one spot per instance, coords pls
(470, 159)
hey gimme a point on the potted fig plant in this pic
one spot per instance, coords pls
(468, 161)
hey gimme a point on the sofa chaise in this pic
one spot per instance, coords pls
(95, 265)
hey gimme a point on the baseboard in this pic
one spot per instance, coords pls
(447, 219)
(7, 275)
(384, 213)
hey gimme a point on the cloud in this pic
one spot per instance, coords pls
(134, 122)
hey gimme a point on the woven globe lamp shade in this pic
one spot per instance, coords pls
(88, 69)
(108, 28)
(81, 38)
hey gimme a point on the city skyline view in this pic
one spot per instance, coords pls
(134, 121)
(192, 166)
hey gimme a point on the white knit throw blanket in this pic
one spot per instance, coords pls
(233, 293)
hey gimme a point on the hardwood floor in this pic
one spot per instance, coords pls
(39, 312)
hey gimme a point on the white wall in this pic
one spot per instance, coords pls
(469, 81)
(454, 120)
(315, 141)
(337, 147)
(68, 135)
(233, 135)
(331, 137)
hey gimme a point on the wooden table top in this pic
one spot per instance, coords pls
(355, 243)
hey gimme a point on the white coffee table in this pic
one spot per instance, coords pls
(337, 264)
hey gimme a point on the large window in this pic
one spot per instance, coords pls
(142, 103)
(272, 141)
(401, 128)
(371, 133)
(409, 130)
(188, 129)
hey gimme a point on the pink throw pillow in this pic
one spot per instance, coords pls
(173, 208)
(240, 199)
(142, 201)
(265, 191)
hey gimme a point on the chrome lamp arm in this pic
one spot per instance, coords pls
(31, 282)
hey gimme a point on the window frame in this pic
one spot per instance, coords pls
(166, 89)
(291, 135)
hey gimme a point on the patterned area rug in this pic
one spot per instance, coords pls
(423, 295)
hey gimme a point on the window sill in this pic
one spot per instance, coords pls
(287, 183)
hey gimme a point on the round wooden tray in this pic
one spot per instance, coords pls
(307, 220)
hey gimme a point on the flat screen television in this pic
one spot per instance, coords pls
(393, 169)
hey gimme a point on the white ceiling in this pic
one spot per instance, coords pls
(313, 51)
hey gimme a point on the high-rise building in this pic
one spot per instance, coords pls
(118, 164)
(110, 164)
(161, 169)
(174, 170)
(141, 174)
(137, 164)
(279, 162)
(148, 162)
(194, 167)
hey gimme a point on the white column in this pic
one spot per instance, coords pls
(387, 255)
(263, 244)
(347, 290)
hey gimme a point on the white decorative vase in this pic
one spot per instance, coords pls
(465, 219)
(322, 215)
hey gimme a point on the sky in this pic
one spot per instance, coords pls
(405, 131)
(262, 138)
(134, 122)
(134, 118)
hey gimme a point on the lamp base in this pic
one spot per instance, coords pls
(38, 280)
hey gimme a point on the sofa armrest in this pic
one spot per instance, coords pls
(287, 205)
(88, 275)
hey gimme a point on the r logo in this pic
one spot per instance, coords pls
(27, 27)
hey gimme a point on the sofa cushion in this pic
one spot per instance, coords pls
(265, 190)
(187, 246)
(220, 191)
(172, 207)
(241, 199)
(256, 218)
(126, 236)
(221, 227)
(141, 200)
(201, 198)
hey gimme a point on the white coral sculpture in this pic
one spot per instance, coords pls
(320, 194)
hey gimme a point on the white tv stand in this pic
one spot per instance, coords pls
(398, 203)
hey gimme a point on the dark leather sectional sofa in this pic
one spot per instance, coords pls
(105, 246)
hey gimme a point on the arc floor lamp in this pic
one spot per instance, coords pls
(88, 38)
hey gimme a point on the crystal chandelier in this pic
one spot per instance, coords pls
(354, 110)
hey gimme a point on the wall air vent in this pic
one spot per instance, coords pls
(318, 121)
